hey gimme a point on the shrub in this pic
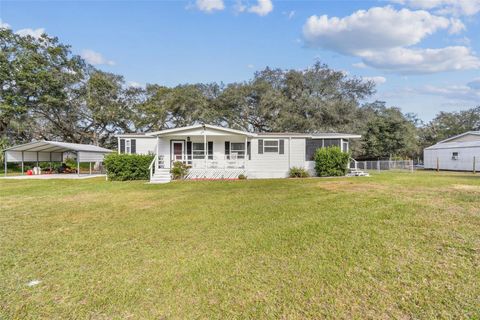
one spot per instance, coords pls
(179, 170)
(122, 167)
(297, 172)
(331, 161)
(242, 177)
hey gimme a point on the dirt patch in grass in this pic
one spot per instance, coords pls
(351, 186)
(466, 187)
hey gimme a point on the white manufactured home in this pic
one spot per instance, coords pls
(458, 153)
(213, 152)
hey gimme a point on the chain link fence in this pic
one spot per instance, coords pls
(383, 165)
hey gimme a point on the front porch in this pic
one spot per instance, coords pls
(209, 153)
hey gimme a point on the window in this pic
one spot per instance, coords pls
(128, 146)
(270, 146)
(198, 150)
(345, 146)
(238, 148)
(454, 155)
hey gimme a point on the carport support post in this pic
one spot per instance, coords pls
(78, 165)
(90, 164)
(23, 172)
(438, 165)
(474, 170)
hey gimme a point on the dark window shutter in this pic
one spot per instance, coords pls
(133, 146)
(189, 149)
(227, 148)
(260, 146)
(281, 146)
(210, 150)
(249, 151)
(122, 145)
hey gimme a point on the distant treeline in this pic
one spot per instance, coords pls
(46, 92)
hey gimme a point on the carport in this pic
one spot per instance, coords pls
(53, 151)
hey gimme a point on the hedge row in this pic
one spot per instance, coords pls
(122, 167)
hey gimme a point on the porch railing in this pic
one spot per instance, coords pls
(211, 162)
(158, 162)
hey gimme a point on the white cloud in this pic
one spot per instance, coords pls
(360, 65)
(35, 33)
(210, 5)
(262, 8)
(95, 58)
(135, 84)
(453, 92)
(250, 66)
(405, 60)
(448, 7)
(375, 29)
(377, 79)
(239, 7)
(456, 26)
(4, 25)
(289, 14)
(383, 38)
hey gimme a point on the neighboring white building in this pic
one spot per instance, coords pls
(221, 153)
(459, 153)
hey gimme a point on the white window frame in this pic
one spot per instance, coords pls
(265, 146)
(240, 153)
(128, 146)
(200, 153)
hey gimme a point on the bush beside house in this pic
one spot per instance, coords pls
(122, 167)
(331, 161)
(297, 172)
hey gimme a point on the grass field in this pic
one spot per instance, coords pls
(394, 245)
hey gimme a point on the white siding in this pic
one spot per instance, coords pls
(274, 165)
(29, 156)
(91, 156)
(145, 145)
(445, 161)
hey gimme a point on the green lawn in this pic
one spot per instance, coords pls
(394, 245)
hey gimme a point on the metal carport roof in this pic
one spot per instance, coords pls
(55, 146)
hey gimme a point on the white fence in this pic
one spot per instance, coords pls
(383, 165)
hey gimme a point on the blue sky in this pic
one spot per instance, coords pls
(423, 54)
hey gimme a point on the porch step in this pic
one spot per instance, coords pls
(161, 176)
(357, 173)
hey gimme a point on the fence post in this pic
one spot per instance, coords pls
(411, 162)
(378, 165)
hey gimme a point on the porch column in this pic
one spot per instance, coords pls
(5, 158)
(289, 148)
(205, 146)
(245, 154)
(156, 162)
(78, 165)
(118, 145)
(23, 163)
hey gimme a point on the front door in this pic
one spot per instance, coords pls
(178, 148)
